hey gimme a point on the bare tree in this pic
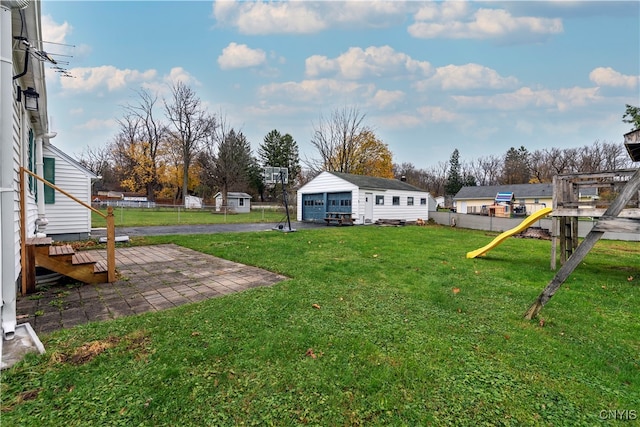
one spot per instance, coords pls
(336, 140)
(191, 125)
(98, 160)
(151, 131)
(437, 178)
(486, 170)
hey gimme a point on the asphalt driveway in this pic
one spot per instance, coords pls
(163, 230)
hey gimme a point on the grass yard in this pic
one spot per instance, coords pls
(138, 217)
(377, 326)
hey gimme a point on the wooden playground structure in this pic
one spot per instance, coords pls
(617, 210)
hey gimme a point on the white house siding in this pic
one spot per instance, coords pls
(68, 220)
(16, 186)
(402, 211)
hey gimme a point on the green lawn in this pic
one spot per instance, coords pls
(406, 331)
(136, 217)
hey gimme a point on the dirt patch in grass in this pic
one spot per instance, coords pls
(136, 342)
(87, 352)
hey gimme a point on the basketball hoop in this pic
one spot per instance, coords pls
(273, 175)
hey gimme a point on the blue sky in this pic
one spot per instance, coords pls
(429, 76)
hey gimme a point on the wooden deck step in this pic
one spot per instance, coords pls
(100, 267)
(82, 258)
(61, 250)
(39, 241)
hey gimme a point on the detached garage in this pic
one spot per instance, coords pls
(367, 198)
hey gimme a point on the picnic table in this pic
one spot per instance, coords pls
(339, 218)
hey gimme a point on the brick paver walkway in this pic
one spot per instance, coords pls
(152, 278)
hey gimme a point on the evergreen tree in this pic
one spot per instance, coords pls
(454, 180)
(280, 151)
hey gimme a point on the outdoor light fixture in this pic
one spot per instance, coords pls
(31, 99)
(632, 143)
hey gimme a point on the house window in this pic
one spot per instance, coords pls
(536, 201)
(396, 201)
(49, 172)
(240, 202)
(423, 201)
(409, 201)
(379, 200)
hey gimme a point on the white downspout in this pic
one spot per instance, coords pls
(8, 289)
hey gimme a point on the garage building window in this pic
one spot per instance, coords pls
(396, 200)
(379, 200)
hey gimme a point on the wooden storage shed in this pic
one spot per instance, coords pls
(236, 202)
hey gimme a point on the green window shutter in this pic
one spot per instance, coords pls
(49, 171)
(31, 160)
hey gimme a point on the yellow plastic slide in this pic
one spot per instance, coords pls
(500, 238)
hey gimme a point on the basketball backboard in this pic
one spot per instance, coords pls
(274, 175)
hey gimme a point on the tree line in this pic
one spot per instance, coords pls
(169, 148)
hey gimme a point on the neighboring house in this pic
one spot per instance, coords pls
(24, 129)
(477, 199)
(369, 199)
(236, 202)
(67, 220)
(439, 203)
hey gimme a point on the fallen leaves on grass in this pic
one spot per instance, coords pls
(630, 279)
(456, 291)
(310, 353)
(316, 306)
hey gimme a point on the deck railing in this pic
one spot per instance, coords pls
(111, 228)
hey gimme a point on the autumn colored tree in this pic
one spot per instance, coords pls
(152, 132)
(370, 156)
(336, 140)
(346, 144)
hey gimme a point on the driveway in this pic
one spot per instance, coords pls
(163, 230)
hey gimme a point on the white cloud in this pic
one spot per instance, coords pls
(54, 32)
(437, 114)
(609, 77)
(525, 98)
(400, 121)
(240, 56)
(306, 17)
(453, 19)
(317, 90)
(268, 18)
(373, 61)
(385, 98)
(97, 124)
(465, 77)
(88, 79)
